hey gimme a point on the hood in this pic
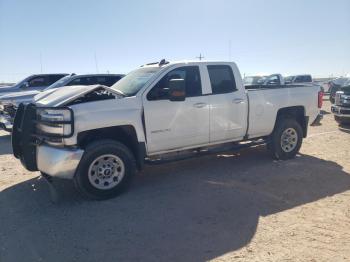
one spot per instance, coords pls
(8, 89)
(43, 94)
(69, 94)
(18, 95)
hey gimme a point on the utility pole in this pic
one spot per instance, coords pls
(41, 63)
(229, 50)
(200, 57)
(96, 64)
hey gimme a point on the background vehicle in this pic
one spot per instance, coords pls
(271, 80)
(336, 85)
(9, 103)
(298, 79)
(98, 136)
(33, 82)
(341, 107)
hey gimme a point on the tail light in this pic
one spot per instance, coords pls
(320, 99)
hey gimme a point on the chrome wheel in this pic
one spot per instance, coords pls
(289, 140)
(106, 172)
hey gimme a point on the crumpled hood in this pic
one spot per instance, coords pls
(19, 95)
(43, 94)
(66, 94)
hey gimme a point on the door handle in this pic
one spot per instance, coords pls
(199, 105)
(238, 100)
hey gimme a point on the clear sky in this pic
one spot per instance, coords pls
(288, 37)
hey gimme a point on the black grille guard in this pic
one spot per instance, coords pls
(25, 136)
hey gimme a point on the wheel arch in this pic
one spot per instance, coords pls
(294, 112)
(125, 134)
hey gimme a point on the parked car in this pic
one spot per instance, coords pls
(341, 106)
(298, 79)
(9, 103)
(335, 85)
(263, 81)
(33, 82)
(99, 136)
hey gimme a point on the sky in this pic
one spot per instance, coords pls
(85, 36)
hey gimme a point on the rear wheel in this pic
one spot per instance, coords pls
(105, 170)
(286, 139)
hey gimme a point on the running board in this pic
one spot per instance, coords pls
(198, 152)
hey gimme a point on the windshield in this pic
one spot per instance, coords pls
(134, 81)
(62, 82)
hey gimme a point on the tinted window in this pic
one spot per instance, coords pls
(38, 81)
(307, 78)
(192, 79)
(80, 81)
(54, 78)
(221, 79)
(111, 80)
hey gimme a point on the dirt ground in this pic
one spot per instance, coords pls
(233, 206)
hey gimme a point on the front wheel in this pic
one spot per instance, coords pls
(286, 139)
(105, 170)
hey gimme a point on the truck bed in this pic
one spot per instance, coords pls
(264, 103)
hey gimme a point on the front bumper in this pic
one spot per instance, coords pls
(35, 154)
(340, 111)
(58, 162)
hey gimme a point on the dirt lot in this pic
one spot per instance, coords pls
(234, 206)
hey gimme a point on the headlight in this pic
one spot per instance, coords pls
(54, 124)
(338, 98)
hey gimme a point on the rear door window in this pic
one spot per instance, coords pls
(222, 79)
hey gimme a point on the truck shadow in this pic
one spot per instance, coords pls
(5, 141)
(192, 210)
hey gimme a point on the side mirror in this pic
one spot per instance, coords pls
(177, 90)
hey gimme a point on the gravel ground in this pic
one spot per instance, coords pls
(231, 206)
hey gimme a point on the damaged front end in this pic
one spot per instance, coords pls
(34, 126)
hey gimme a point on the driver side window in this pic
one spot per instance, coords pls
(191, 76)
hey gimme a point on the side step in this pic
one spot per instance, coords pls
(198, 152)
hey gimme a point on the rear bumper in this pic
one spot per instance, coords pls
(341, 111)
(58, 162)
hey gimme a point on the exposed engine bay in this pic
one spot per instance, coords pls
(98, 94)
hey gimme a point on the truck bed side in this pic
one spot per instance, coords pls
(264, 105)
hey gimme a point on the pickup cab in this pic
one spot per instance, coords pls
(100, 136)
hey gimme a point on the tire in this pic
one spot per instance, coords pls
(290, 131)
(105, 170)
(342, 120)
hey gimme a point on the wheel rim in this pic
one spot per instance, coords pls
(106, 172)
(289, 140)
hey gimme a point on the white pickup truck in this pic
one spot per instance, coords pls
(100, 136)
